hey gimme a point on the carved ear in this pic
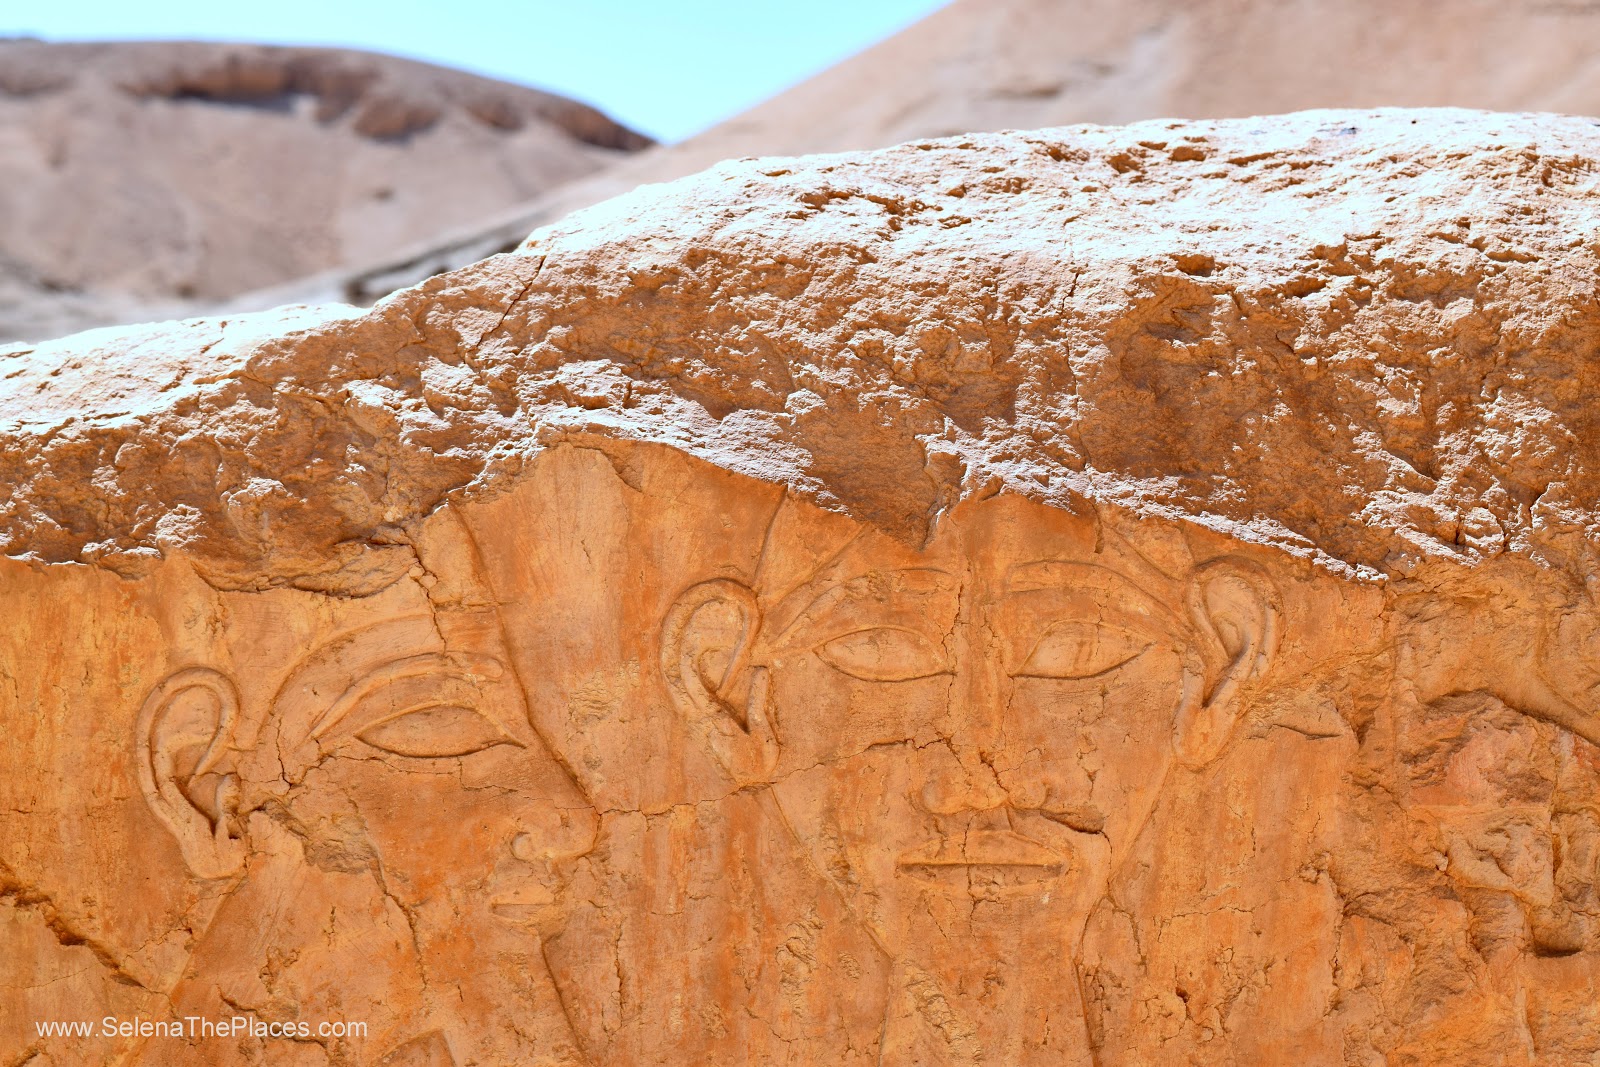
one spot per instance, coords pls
(705, 651)
(1234, 607)
(185, 728)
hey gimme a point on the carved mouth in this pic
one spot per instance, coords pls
(529, 906)
(997, 856)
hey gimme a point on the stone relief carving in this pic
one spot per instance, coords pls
(1508, 800)
(824, 616)
(949, 783)
(1507, 807)
(967, 742)
(396, 810)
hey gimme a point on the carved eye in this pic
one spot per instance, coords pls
(1080, 650)
(437, 731)
(884, 654)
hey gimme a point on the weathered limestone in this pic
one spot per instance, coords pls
(1111, 596)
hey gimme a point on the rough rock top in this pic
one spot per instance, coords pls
(1362, 336)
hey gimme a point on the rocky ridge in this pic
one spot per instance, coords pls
(146, 179)
(1028, 64)
(1394, 305)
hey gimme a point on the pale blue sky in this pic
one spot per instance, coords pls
(668, 67)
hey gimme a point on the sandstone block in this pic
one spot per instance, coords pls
(1084, 596)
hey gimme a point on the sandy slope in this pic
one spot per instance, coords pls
(1021, 64)
(141, 178)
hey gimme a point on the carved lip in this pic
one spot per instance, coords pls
(526, 906)
(999, 852)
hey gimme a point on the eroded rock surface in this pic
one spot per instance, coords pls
(1112, 596)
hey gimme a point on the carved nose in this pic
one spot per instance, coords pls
(965, 779)
(955, 788)
(554, 834)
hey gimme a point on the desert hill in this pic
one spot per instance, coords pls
(1019, 64)
(148, 178)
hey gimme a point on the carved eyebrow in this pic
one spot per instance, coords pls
(1074, 576)
(834, 593)
(458, 676)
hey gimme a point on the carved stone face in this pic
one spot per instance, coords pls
(397, 807)
(966, 737)
(1509, 800)
(979, 729)
(372, 742)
